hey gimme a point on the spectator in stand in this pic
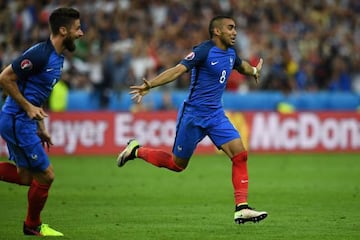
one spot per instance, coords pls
(310, 31)
(340, 79)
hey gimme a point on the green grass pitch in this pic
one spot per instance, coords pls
(307, 196)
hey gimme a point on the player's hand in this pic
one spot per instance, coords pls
(139, 91)
(36, 113)
(258, 69)
(45, 138)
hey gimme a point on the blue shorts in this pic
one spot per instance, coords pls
(24, 145)
(192, 128)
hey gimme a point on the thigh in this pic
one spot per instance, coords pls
(31, 157)
(25, 146)
(188, 135)
(46, 177)
(18, 131)
(221, 131)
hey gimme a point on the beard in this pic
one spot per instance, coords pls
(69, 44)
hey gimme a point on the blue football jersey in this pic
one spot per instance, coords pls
(38, 70)
(210, 69)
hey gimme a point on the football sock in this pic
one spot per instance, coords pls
(37, 196)
(240, 177)
(8, 173)
(158, 158)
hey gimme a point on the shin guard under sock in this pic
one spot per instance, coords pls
(240, 177)
(37, 196)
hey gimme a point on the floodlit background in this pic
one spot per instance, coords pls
(307, 46)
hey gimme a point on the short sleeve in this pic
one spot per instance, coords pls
(238, 60)
(197, 56)
(31, 62)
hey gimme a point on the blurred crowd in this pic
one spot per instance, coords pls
(306, 45)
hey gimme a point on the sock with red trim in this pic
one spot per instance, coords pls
(37, 196)
(8, 173)
(240, 177)
(158, 158)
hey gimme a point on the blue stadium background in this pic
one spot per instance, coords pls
(254, 101)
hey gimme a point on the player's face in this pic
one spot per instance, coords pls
(228, 32)
(74, 33)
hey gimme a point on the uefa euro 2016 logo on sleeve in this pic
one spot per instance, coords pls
(26, 64)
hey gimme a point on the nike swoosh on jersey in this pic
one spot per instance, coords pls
(214, 63)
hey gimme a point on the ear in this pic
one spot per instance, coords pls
(63, 31)
(217, 31)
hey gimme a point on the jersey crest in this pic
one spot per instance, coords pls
(231, 62)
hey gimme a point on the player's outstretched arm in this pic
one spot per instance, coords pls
(163, 78)
(247, 69)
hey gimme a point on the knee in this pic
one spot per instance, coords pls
(178, 169)
(46, 177)
(50, 174)
(49, 178)
(180, 164)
